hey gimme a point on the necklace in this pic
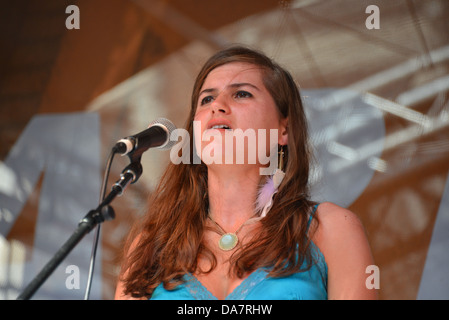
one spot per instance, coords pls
(229, 240)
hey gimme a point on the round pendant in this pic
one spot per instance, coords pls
(228, 241)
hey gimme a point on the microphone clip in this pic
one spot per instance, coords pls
(130, 174)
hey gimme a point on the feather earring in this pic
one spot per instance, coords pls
(268, 190)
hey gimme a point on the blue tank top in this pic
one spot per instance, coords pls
(307, 285)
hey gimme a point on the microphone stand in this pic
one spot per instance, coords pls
(96, 216)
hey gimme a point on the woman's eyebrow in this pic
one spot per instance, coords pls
(243, 84)
(207, 91)
(233, 85)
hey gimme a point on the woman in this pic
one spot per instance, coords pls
(213, 232)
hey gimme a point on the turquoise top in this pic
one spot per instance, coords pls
(307, 285)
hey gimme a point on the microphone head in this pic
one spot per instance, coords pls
(168, 126)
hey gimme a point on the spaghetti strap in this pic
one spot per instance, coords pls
(315, 207)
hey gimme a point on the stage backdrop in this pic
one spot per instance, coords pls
(77, 75)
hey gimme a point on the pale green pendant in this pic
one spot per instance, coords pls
(228, 241)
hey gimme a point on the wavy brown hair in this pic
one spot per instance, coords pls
(168, 242)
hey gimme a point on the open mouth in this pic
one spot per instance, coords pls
(220, 126)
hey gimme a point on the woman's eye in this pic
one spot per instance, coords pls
(206, 100)
(243, 94)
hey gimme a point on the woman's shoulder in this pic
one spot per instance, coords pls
(341, 237)
(332, 216)
(338, 228)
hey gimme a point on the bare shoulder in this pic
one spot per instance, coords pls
(337, 226)
(335, 219)
(341, 237)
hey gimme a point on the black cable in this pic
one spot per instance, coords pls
(98, 227)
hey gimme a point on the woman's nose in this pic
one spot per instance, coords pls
(220, 104)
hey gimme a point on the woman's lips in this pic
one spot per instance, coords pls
(219, 124)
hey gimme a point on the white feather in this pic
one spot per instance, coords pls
(265, 195)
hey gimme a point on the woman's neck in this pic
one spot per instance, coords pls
(232, 194)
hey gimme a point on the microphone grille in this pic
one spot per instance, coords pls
(169, 127)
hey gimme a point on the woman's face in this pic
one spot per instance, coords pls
(233, 97)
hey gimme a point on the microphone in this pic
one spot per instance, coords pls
(156, 136)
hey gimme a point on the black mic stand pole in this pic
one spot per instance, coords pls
(103, 212)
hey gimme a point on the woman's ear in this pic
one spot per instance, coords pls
(283, 132)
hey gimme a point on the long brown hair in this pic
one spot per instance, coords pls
(168, 242)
